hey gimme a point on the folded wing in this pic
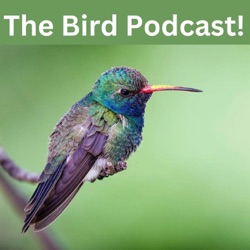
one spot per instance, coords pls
(54, 194)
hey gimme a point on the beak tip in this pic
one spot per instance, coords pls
(198, 90)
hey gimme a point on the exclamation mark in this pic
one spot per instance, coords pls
(240, 22)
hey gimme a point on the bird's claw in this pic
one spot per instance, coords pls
(120, 166)
(111, 169)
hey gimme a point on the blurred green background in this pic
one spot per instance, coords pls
(187, 186)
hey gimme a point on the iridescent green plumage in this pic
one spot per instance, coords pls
(92, 141)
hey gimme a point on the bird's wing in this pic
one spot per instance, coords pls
(60, 184)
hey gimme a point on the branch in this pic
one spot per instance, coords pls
(16, 198)
(14, 171)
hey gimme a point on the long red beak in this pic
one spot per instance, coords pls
(153, 88)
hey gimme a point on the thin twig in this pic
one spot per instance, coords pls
(17, 199)
(19, 203)
(14, 171)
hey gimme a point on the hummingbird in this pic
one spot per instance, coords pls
(92, 141)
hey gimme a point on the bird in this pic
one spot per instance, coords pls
(92, 141)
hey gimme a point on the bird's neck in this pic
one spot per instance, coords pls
(86, 100)
(138, 121)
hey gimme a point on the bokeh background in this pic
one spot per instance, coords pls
(187, 186)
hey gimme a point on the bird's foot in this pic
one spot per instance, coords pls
(111, 169)
(120, 166)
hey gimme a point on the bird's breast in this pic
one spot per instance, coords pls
(122, 141)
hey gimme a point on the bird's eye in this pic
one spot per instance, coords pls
(124, 92)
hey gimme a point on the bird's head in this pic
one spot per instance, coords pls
(126, 91)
